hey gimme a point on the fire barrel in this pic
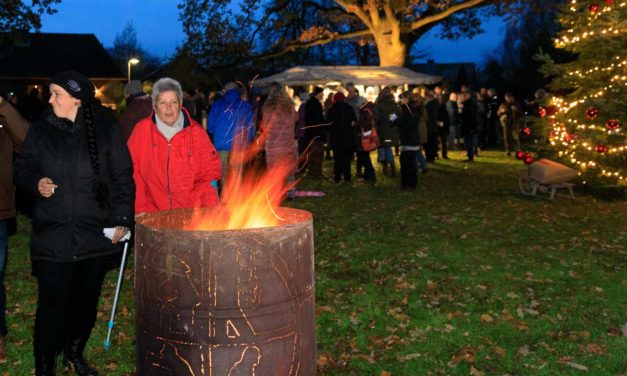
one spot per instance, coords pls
(232, 302)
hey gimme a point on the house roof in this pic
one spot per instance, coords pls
(449, 71)
(41, 55)
(362, 75)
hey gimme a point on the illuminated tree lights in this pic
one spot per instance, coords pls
(587, 129)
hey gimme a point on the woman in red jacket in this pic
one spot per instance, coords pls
(174, 161)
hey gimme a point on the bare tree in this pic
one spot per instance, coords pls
(393, 26)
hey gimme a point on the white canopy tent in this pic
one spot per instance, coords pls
(339, 75)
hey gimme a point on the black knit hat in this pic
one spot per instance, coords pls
(317, 90)
(76, 84)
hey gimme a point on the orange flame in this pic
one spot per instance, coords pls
(250, 198)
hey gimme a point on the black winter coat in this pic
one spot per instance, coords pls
(468, 117)
(68, 226)
(315, 126)
(436, 111)
(385, 106)
(408, 124)
(342, 121)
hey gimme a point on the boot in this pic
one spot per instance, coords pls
(384, 166)
(73, 358)
(393, 169)
(45, 364)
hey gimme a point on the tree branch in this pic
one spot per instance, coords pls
(392, 20)
(352, 7)
(446, 13)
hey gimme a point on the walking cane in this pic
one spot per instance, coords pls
(107, 343)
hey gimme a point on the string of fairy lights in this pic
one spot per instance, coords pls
(575, 148)
(583, 74)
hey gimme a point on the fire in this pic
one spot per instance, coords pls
(249, 198)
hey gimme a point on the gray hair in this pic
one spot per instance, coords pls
(166, 84)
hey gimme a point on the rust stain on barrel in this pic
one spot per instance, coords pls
(233, 302)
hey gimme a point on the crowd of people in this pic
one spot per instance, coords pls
(416, 126)
(88, 171)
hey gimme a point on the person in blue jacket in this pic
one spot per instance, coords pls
(230, 122)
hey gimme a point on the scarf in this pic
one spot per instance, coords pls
(169, 131)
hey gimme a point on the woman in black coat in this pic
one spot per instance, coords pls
(77, 165)
(342, 119)
(467, 108)
(408, 123)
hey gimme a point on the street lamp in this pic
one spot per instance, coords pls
(132, 61)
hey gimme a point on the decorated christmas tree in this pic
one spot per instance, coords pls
(585, 116)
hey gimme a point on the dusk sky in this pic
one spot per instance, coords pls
(160, 31)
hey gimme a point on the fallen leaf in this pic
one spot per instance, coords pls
(532, 312)
(624, 330)
(324, 309)
(577, 366)
(405, 358)
(487, 318)
(565, 359)
(323, 360)
(385, 373)
(505, 315)
(523, 350)
(520, 325)
(499, 351)
(475, 372)
(595, 349)
(512, 295)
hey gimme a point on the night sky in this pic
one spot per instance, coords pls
(160, 31)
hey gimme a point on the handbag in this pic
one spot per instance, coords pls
(369, 139)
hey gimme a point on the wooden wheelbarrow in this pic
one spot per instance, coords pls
(546, 176)
(531, 186)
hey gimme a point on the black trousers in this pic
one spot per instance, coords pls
(409, 169)
(342, 164)
(67, 301)
(443, 136)
(363, 158)
(431, 147)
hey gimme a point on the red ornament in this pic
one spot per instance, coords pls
(526, 131)
(612, 124)
(592, 113)
(593, 8)
(567, 137)
(520, 155)
(601, 148)
(551, 110)
(609, 2)
(528, 160)
(542, 111)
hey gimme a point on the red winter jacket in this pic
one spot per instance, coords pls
(175, 174)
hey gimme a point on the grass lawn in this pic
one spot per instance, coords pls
(464, 276)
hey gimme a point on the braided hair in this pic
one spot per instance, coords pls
(99, 187)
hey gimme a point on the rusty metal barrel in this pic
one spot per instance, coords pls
(232, 302)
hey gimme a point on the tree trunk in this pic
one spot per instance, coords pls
(392, 53)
